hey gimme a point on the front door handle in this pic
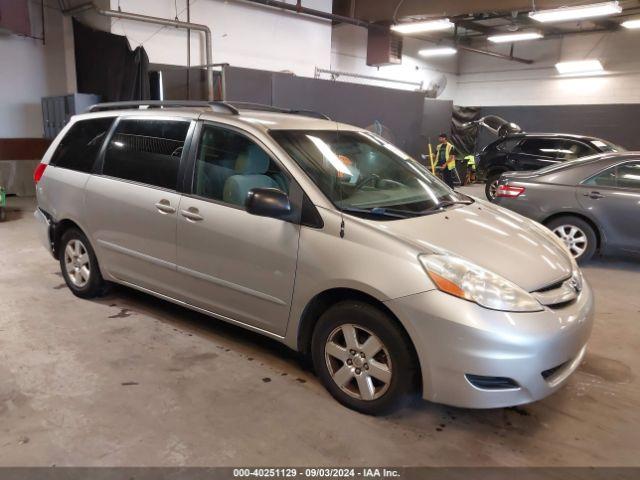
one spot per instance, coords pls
(191, 214)
(165, 207)
(594, 195)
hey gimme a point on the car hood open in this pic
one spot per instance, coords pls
(494, 238)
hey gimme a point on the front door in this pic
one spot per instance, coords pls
(230, 262)
(133, 202)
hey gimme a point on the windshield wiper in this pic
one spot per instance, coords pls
(449, 203)
(382, 212)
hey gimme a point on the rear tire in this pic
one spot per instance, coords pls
(579, 237)
(491, 186)
(79, 265)
(363, 358)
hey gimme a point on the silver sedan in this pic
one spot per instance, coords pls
(592, 204)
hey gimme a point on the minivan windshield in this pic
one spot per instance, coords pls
(363, 174)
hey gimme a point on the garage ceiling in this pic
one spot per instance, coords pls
(476, 19)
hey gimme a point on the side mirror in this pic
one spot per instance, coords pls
(268, 202)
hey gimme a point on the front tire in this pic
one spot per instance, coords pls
(363, 358)
(578, 236)
(79, 265)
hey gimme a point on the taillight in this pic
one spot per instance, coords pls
(39, 171)
(509, 191)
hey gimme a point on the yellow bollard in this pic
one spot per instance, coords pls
(433, 167)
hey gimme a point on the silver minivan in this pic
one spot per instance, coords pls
(323, 236)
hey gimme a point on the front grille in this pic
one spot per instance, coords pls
(558, 294)
(549, 373)
(492, 383)
(553, 286)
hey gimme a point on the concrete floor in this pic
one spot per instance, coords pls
(131, 380)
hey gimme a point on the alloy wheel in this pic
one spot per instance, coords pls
(358, 362)
(573, 237)
(76, 261)
(493, 188)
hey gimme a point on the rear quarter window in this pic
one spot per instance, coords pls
(80, 146)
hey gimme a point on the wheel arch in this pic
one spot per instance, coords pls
(324, 300)
(57, 231)
(600, 238)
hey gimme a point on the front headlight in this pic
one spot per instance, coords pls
(461, 278)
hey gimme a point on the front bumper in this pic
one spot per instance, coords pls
(454, 338)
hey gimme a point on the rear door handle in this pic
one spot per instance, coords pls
(165, 207)
(594, 195)
(191, 214)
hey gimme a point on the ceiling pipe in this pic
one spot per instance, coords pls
(312, 12)
(495, 54)
(157, 21)
(364, 24)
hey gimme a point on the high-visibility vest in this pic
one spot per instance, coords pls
(451, 163)
(471, 161)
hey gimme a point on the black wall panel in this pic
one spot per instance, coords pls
(248, 85)
(618, 123)
(399, 112)
(406, 117)
(436, 119)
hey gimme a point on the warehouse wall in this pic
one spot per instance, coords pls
(30, 70)
(616, 123)
(243, 35)
(404, 117)
(349, 53)
(488, 81)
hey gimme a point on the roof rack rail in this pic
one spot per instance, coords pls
(220, 107)
(271, 108)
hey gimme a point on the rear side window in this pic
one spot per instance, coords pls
(542, 147)
(147, 151)
(606, 178)
(626, 175)
(79, 147)
(570, 150)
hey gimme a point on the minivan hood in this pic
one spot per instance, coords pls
(492, 237)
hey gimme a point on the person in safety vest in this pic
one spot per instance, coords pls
(446, 159)
(471, 168)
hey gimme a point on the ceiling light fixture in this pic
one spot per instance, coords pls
(632, 23)
(514, 37)
(437, 52)
(427, 26)
(576, 13)
(580, 66)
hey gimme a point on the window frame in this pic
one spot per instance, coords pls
(296, 193)
(615, 166)
(99, 164)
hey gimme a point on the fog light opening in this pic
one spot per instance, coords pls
(492, 383)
